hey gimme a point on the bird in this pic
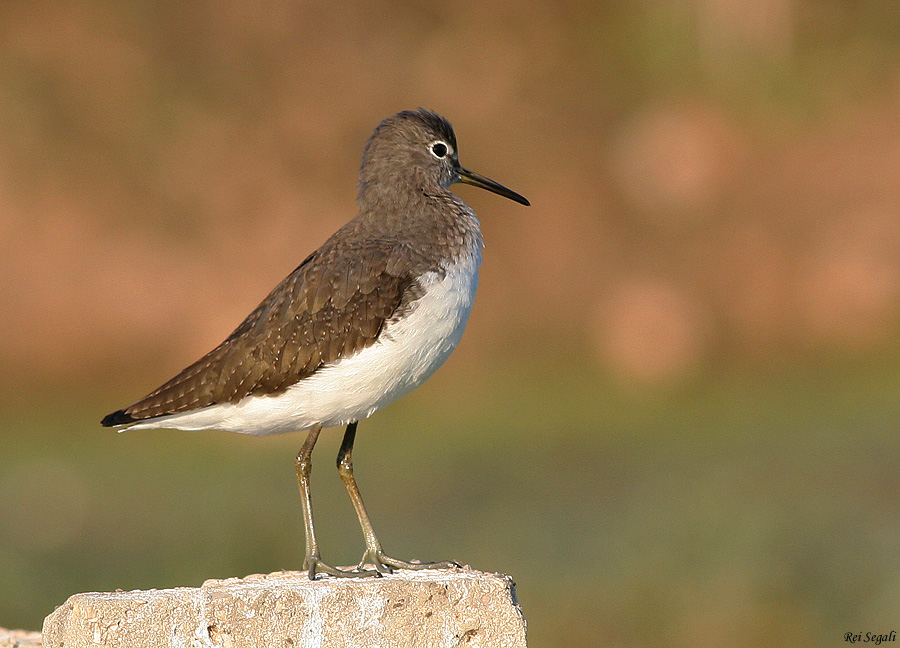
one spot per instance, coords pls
(363, 320)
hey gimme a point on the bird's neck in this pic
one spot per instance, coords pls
(435, 222)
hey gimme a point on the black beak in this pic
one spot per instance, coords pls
(472, 178)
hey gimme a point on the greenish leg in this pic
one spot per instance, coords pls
(313, 561)
(374, 554)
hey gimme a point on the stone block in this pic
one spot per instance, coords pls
(427, 608)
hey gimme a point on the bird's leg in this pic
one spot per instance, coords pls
(374, 553)
(313, 561)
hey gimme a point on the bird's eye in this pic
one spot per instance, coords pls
(439, 150)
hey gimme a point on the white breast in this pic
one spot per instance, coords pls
(406, 354)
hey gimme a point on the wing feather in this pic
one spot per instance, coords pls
(332, 306)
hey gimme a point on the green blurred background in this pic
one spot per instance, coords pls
(673, 418)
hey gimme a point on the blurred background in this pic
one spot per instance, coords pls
(673, 417)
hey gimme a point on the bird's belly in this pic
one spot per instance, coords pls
(407, 352)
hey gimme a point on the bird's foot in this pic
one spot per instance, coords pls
(384, 564)
(314, 565)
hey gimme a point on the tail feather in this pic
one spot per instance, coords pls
(117, 418)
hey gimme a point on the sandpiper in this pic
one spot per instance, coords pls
(364, 320)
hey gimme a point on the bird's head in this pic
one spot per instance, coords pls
(417, 147)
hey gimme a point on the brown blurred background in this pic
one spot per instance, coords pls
(673, 418)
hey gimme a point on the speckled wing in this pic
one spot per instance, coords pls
(332, 306)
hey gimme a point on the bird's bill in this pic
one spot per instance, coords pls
(476, 180)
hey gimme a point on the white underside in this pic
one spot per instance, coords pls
(405, 355)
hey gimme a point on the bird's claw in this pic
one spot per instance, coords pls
(314, 565)
(384, 564)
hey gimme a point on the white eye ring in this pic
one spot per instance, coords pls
(440, 149)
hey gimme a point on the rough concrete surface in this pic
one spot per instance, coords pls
(19, 639)
(440, 608)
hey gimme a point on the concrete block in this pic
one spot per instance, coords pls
(439, 608)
